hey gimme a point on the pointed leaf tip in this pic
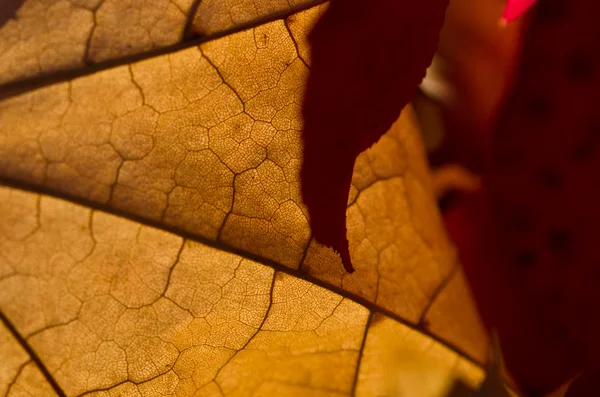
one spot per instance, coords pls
(365, 67)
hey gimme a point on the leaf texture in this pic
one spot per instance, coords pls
(54, 35)
(114, 306)
(19, 375)
(49, 36)
(212, 16)
(154, 240)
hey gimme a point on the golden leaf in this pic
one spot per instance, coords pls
(153, 240)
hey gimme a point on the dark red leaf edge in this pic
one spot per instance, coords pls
(367, 59)
(8, 10)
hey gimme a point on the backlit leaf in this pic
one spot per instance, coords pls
(153, 238)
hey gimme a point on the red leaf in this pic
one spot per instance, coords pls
(515, 8)
(538, 356)
(542, 206)
(368, 58)
(545, 165)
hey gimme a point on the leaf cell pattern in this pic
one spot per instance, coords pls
(113, 306)
(50, 36)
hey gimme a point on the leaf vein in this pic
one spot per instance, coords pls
(32, 354)
(371, 306)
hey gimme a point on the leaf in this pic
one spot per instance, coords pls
(553, 187)
(535, 223)
(154, 241)
(537, 355)
(516, 8)
(365, 67)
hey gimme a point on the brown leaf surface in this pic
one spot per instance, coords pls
(19, 376)
(212, 16)
(49, 36)
(53, 35)
(154, 240)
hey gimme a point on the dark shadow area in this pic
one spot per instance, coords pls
(459, 389)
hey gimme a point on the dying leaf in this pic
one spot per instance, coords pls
(367, 59)
(153, 239)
